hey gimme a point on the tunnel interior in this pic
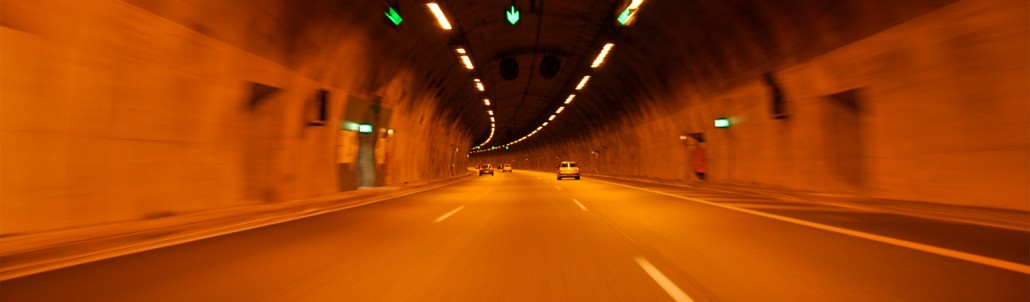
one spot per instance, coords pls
(116, 110)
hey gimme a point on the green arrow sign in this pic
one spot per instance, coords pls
(394, 17)
(624, 17)
(513, 15)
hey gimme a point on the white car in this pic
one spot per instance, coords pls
(506, 168)
(568, 169)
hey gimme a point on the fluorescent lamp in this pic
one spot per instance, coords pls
(560, 109)
(438, 13)
(490, 112)
(569, 99)
(635, 4)
(551, 118)
(582, 82)
(486, 101)
(492, 119)
(480, 87)
(468, 62)
(476, 80)
(545, 124)
(600, 56)
(460, 50)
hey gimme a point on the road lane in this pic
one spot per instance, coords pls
(518, 238)
(1000, 243)
(516, 242)
(737, 256)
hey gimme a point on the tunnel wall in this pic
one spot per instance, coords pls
(934, 109)
(112, 112)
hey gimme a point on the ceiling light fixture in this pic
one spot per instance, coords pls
(438, 13)
(490, 112)
(468, 62)
(480, 87)
(569, 99)
(560, 109)
(551, 118)
(600, 56)
(582, 82)
(486, 101)
(635, 4)
(460, 50)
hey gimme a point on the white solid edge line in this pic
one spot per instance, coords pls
(670, 288)
(581, 206)
(997, 263)
(448, 214)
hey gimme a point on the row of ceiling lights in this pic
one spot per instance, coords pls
(625, 18)
(463, 54)
(568, 100)
(465, 59)
(629, 12)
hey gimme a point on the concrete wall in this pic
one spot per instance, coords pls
(933, 109)
(111, 111)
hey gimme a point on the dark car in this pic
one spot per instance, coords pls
(486, 169)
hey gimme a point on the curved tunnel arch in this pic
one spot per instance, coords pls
(679, 65)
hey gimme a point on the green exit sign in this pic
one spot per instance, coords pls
(393, 16)
(365, 128)
(722, 122)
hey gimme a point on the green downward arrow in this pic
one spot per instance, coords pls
(513, 15)
(394, 17)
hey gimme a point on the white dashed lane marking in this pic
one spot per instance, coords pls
(449, 214)
(670, 288)
(581, 206)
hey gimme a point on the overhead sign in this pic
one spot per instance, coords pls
(513, 15)
(394, 17)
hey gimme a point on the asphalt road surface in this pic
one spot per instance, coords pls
(525, 236)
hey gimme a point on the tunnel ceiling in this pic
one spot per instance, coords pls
(671, 46)
(570, 31)
(702, 44)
